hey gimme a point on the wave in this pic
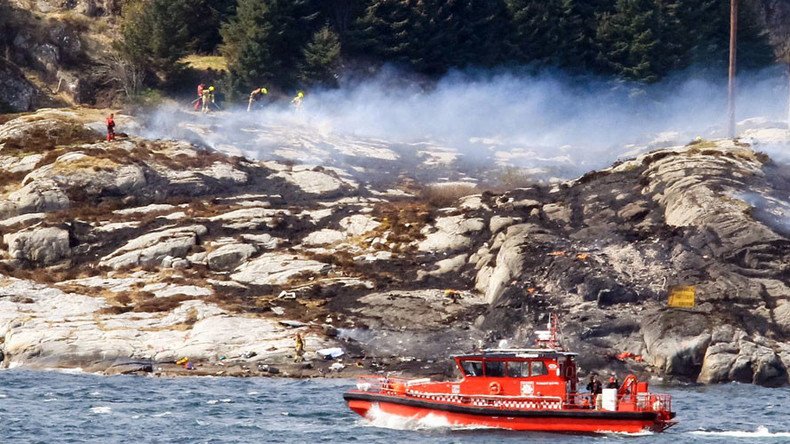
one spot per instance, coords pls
(760, 432)
(101, 410)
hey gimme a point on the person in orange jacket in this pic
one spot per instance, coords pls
(110, 128)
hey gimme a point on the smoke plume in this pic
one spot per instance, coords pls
(549, 120)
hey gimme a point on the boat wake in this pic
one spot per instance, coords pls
(378, 418)
(760, 432)
(614, 433)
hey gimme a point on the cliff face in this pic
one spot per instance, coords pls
(116, 253)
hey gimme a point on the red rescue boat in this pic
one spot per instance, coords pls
(518, 389)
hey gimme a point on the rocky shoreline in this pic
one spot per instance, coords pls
(129, 256)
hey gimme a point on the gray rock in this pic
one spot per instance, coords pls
(277, 269)
(16, 92)
(557, 213)
(41, 246)
(36, 196)
(676, 342)
(497, 223)
(153, 248)
(451, 234)
(228, 257)
(509, 261)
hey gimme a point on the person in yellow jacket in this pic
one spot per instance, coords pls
(255, 96)
(297, 101)
(208, 98)
(299, 348)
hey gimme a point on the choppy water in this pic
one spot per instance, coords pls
(51, 407)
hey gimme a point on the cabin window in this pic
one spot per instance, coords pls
(472, 368)
(517, 369)
(538, 368)
(495, 368)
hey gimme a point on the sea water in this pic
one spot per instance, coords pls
(57, 407)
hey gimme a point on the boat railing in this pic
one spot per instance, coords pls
(650, 402)
(654, 402)
(580, 400)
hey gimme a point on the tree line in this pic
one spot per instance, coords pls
(301, 43)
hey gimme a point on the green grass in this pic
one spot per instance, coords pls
(201, 62)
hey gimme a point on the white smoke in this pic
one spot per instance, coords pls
(549, 119)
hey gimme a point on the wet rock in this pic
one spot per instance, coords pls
(41, 246)
(677, 342)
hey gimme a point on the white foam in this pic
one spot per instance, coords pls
(760, 432)
(101, 410)
(252, 393)
(159, 415)
(378, 418)
(212, 401)
(610, 432)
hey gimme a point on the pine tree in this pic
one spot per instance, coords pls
(263, 42)
(536, 30)
(633, 41)
(321, 58)
(579, 48)
(390, 30)
(155, 34)
(481, 32)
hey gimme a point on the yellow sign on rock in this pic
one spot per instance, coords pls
(682, 296)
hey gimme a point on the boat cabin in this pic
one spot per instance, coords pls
(538, 373)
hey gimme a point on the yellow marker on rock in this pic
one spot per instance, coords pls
(682, 296)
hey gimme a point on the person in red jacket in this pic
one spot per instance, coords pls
(199, 101)
(110, 128)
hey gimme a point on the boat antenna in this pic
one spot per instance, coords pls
(550, 338)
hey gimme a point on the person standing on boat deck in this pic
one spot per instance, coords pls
(594, 386)
(299, 348)
(613, 383)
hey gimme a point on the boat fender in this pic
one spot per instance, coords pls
(658, 405)
(495, 388)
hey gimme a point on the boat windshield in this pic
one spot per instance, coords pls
(495, 368)
(539, 368)
(516, 369)
(472, 368)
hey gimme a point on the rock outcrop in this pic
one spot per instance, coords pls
(139, 252)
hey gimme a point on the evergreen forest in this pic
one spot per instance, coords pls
(304, 43)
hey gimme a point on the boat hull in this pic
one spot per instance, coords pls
(566, 421)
